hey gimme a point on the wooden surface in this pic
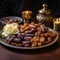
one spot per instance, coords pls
(49, 53)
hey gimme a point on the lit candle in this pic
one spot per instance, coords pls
(26, 15)
(57, 24)
(27, 12)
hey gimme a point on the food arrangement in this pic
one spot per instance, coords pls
(27, 35)
(11, 19)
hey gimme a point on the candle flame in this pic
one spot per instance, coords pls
(57, 21)
(27, 12)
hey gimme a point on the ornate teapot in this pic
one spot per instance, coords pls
(44, 16)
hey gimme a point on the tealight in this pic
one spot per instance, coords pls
(57, 25)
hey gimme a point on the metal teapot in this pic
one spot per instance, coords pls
(44, 16)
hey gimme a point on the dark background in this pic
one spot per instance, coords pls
(35, 5)
(15, 7)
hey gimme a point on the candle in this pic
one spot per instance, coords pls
(57, 25)
(26, 15)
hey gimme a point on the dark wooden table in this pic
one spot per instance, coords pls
(49, 53)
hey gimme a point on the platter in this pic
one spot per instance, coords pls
(26, 36)
(2, 41)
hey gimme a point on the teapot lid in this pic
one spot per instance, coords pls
(45, 10)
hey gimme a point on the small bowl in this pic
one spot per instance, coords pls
(11, 19)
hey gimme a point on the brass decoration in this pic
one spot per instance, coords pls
(44, 16)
